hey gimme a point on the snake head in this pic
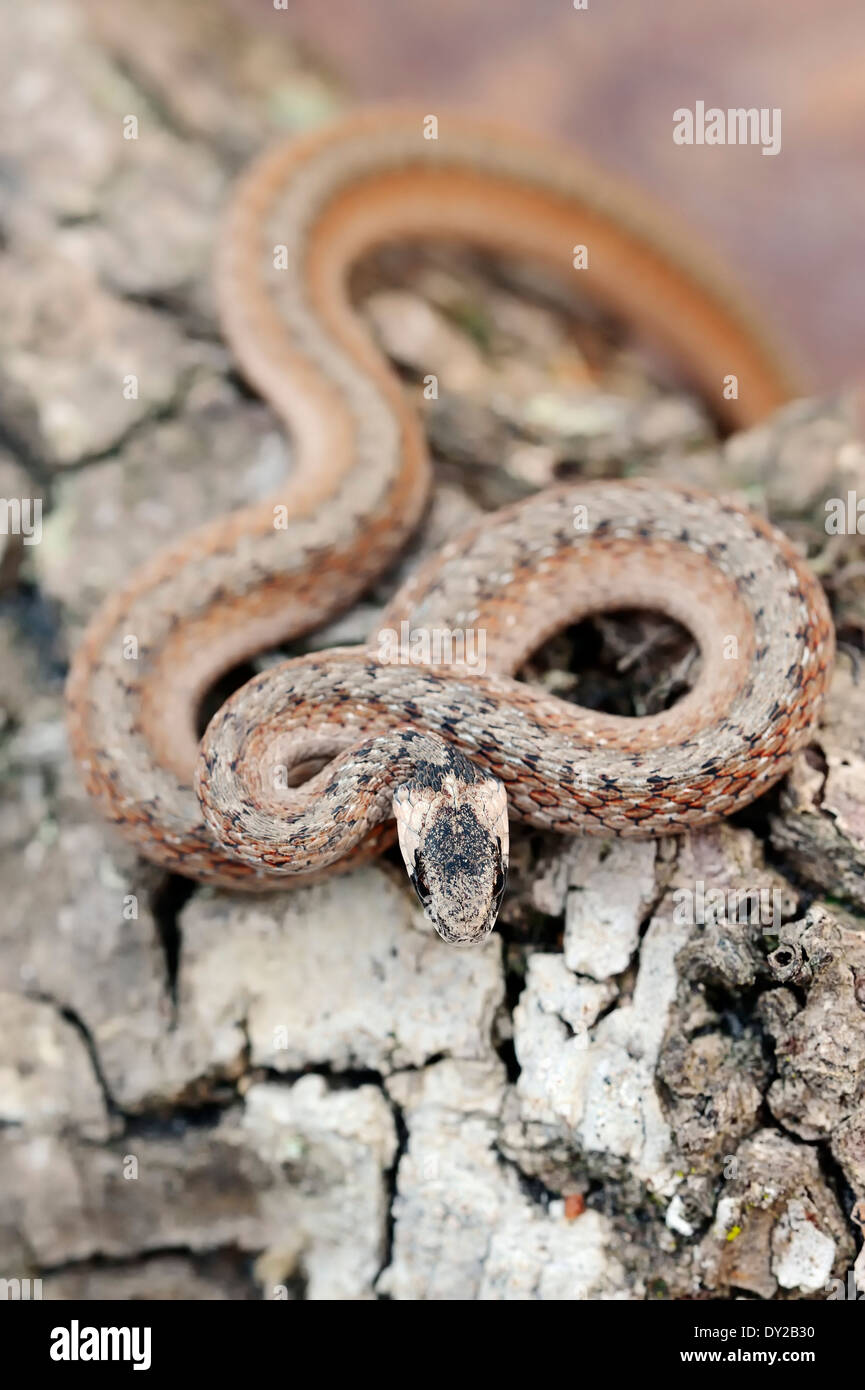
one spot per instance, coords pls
(452, 823)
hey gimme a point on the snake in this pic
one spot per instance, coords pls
(303, 771)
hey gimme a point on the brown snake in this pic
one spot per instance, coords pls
(439, 747)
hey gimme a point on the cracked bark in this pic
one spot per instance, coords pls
(317, 1099)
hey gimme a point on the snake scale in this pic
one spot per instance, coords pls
(303, 768)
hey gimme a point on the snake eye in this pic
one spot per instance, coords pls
(500, 883)
(421, 887)
(499, 886)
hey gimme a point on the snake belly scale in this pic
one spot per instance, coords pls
(444, 750)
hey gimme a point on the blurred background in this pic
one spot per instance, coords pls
(609, 78)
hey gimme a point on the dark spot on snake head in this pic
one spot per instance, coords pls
(454, 838)
(419, 882)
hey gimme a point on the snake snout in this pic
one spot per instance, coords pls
(453, 834)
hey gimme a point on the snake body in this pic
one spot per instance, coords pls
(233, 812)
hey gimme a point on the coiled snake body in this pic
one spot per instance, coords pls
(444, 749)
